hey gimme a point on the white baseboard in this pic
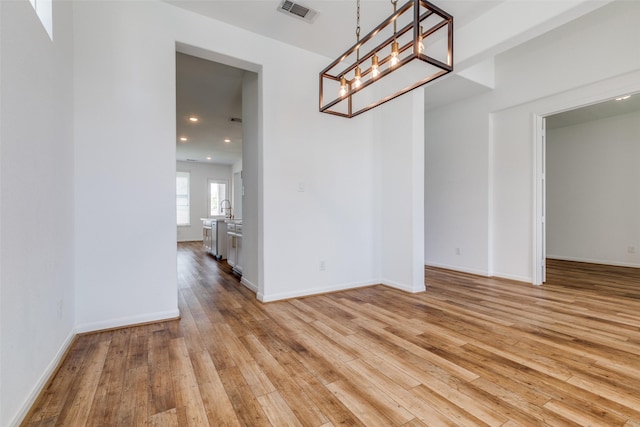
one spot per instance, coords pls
(517, 278)
(247, 284)
(594, 261)
(315, 291)
(128, 321)
(458, 268)
(43, 380)
(402, 286)
(482, 273)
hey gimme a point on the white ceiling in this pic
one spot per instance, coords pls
(333, 31)
(601, 110)
(211, 92)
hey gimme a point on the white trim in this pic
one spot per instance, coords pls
(577, 98)
(594, 261)
(128, 321)
(43, 380)
(458, 268)
(247, 284)
(525, 279)
(403, 287)
(315, 291)
(538, 203)
(482, 273)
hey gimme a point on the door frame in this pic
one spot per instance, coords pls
(539, 249)
(257, 214)
(539, 199)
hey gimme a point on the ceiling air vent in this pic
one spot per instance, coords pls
(297, 10)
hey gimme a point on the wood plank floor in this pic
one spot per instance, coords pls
(470, 351)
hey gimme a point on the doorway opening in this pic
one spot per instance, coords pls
(209, 139)
(587, 207)
(217, 111)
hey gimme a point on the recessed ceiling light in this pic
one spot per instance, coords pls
(193, 119)
(622, 98)
(227, 140)
(183, 139)
(208, 158)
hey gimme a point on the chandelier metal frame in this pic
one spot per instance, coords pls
(351, 76)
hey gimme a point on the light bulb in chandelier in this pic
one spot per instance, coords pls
(343, 86)
(420, 42)
(374, 66)
(394, 54)
(357, 80)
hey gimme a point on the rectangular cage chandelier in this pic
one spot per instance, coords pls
(412, 47)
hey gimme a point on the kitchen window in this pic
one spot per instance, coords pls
(217, 193)
(183, 211)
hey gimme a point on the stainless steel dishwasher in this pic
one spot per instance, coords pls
(219, 239)
(214, 237)
(206, 234)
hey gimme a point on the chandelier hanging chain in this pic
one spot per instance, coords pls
(395, 7)
(358, 28)
(358, 20)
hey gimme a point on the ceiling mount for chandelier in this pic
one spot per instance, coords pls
(410, 48)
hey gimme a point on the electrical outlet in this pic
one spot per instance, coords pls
(323, 266)
(631, 249)
(60, 305)
(458, 251)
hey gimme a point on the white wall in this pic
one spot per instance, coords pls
(593, 203)
(547, 74)
(237, 166)
(399, 190)
(318, 195)
(199, 176)
(251, 168)
(236, 188)
(125, 99)
(125, 164)
(456, 187)
(37, 179)
(320, 187)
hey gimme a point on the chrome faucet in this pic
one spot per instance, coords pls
(226, 210)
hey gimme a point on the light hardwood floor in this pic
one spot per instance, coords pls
(470, 351)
